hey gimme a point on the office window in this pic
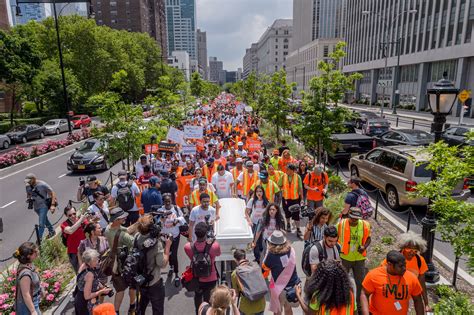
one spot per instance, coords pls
(276, 59)
(326, 51)
(285, 46)
(285, 40)
(276, 40)
(276, 32)
(276, 46)
(276, 53)
(286, 32)
(285, 53)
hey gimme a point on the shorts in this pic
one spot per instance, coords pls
(284, 301)
(119, 283)
(315, 204)
(286, 204)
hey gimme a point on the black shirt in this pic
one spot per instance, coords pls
(89, 192)
(169, 186)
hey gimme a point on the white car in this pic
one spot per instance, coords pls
(4, 142)
(56, 126)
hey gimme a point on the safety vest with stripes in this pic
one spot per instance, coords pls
(248, 182)
(344, 232)
(291, 191)
(343, 310)
(269, 189)
(196, 194)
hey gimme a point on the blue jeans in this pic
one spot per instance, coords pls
(22, 309)
(44, 221)
(258, 246)
(242, 313)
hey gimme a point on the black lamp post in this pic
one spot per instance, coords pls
(441, 99)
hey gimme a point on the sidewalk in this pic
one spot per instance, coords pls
(402, 113)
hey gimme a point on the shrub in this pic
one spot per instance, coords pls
(336, 184)
(387, 240)
(335, 203)
(453, 302)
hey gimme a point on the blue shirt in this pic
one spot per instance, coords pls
(151, 197)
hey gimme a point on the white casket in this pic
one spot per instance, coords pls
(232, 229)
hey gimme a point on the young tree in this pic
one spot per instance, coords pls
(196, 84)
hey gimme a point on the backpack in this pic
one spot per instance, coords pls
(65, 236)
(201, 262)
(250, 281)
(125, 196)
(305, 265)
(364, 204)
(134, 266)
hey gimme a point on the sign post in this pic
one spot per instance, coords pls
(463, 96)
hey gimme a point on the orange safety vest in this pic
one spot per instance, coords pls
(343, 310)
(179, 170)
(195, 197)
(235, 174)
(138, 198)
(291, 191)
(248, 182)
(209, 172)
(344, 232)
(269, 189)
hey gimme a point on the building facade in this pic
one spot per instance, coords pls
(181, 26)
(215, 67)
(435, 38)
(72, 8)
(29, 12)
(145, 16)
(250, 61)
(180, 60)
(202, 54)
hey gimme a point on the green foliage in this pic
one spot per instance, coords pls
(455, 219)
(336, 184)
(452, 302)
(387, 240)
(196, 84)
(53, 253)
(335, 203)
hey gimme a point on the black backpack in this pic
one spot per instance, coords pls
(135, 266)
(201, 262)
(323, 255)
(125, 198)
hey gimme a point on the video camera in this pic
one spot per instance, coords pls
(210, 228)
(305, 211)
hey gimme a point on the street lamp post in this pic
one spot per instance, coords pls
(441, 99)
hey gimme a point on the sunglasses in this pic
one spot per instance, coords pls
(71, 215)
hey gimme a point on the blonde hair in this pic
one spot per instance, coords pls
(221, 299)
(411, 239)
(144, 223)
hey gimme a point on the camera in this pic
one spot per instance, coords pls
(307, 212)
(110, 294)
(30, 203)
(210, 228)
(82, 181)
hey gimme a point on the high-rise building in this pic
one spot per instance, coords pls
(437, 37)
(180, 60)
(181, 24)
(215, 66)
(145, 16)
(29, 12)
(72, 8)
(202, 53)
(271, 50)
(4, 20)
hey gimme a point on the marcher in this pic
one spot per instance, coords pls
(302, 172)
(156, 258)
(143, 179)
(325, 249)
(337, 298)
(316, 182)
(272, 220)
(272, 191)
(275, 158)
(254, 214)
(42, 199)
(223, 182)
(168, 185)
(73, 232)
(123, 195)
(280, 261)
(315, 228)
(27, 288)
(93, 240)
(388, 289)
(88, 190)
(292, 188)
(201, 213)
(88, 287)
(206, 284)
(354, 183)
(222, 299)
(203, 188)
(285, 160)
(100, 209)
(247, 178)
(354, 238)
(139, 166)
(151, 196)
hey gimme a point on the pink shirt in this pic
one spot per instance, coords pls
(214, 251)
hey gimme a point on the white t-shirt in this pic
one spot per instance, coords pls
(332, 253)
(240, 178)
(168, 225)
(268, 231)
(95, 209)
(242, 153)
(135, 192)
(199, 215)
(257, 210)
(222, 184)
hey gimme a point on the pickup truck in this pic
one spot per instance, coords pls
(348, 144)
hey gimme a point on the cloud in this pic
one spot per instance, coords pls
(232, 25)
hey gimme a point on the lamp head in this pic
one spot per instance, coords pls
(442, 96)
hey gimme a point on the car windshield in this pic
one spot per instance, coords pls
(420, 135)
(89, 146)
(422, 171)
(19, 128)
(51, 123)
(76, 117)
(378, 124)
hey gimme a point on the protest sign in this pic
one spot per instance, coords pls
(175, 135)
(193, 132)
(151, 148)
(254, 145)
(188, 149)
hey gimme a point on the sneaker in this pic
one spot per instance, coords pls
(298, 233)
(132, 309)
(288, 227)
(51, 235)
(170, 273)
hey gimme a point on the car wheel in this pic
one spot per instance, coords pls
(106, 166)
(354, 171)
(23, 139)
(42, 135)
(392, 198)
(57, 131)
(5, 145)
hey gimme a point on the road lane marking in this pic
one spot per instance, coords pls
(34, 165)
(10, 203)
(60, 176)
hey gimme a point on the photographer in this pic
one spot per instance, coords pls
(41, 198)
(153, 291)
(100, 209)
(87, 190)
(171, 224)
(73, 233)
(88, 287)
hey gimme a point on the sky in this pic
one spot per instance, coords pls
(232, 25)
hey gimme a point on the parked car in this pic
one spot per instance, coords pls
(405, 137)
(363, 116)
(396, 171)
(4, 141)
(23, 133)
(56, 126)
(457, 135)
(87, 157)
(81, 120)
(349, 143)
(375, 127)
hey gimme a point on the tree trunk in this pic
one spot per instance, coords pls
(12, 107)
(277, 133)
(319, 150)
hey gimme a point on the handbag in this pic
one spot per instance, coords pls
(107, 264)
(188, 281)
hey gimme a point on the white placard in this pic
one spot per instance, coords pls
(188, 149)
(193, 132)
(175, 135)
(248, 109)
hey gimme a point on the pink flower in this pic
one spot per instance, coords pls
(9, 279)
(13, 288)
(50, 297)
(44, 285)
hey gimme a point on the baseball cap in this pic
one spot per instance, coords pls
(249, 164)
(239, 160)
(263, 174)
(29, 177)
(240, 143)
(255, 156)
(154, 180)
(91, 178)
(122, 173)
(143, 156)
(211, 160)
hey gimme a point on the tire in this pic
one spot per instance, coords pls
(392, 198)
(354, 171)
(24, 140)
(57, 131)
(41, 135)
(106, 166)
(5, 145)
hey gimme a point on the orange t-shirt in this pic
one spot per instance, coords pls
(390, 295)
(283, 163)
(412, 266)
(316, 181)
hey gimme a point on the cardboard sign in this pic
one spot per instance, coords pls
(188, 149)
(151, 148)
(175, 135)
(167, 147)
(193, 132)
(254, 145)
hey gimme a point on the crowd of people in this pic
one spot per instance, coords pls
(173, 195)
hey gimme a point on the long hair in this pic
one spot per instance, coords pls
(255, 199)
(280, 221)
(221, 299)
(320, 211)
(331, 285)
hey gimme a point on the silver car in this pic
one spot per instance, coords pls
(56, 126)
(4, 142)
(396, 171)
